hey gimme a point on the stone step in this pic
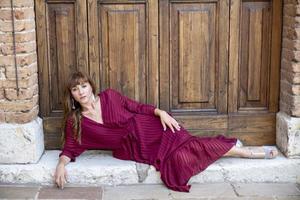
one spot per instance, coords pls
(100, 168)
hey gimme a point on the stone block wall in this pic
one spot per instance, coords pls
(21, 133)
(288, 119)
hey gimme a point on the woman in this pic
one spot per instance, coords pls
(139, 132)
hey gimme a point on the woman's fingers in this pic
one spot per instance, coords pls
(170, 122)
(172, 126)
(62, 182)
(163, 124)
(172, 129)
(176, 125)
(57, 181)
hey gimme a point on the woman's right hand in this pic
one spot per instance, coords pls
(60, 175)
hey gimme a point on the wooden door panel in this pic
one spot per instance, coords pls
(255, 129)
(254, 58)
(122, 27)
(194, 56)
(255, 55)
(128, 50)
(194, 63)
(193, 52)
(62, 52)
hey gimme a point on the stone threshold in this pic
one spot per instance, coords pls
(100, 168)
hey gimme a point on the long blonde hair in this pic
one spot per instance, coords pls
(76, 78)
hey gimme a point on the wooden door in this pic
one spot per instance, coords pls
(219, 66)
(254, 67)
(62, 48)
(214, 64)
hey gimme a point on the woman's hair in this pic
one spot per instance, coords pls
(72, 109)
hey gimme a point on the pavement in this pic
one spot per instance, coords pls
(204, 191)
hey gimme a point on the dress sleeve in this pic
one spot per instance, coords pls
(134, 106)
(71, 148)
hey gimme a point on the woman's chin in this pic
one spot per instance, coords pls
(84, 101)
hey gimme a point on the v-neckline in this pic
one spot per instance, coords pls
(101, 108)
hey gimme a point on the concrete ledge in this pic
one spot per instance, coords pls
(100, 168)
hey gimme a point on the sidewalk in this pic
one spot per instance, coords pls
(209, 191)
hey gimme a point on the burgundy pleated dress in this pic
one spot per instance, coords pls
(132, 131)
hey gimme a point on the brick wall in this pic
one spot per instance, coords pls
(290, 61)
(22, 108)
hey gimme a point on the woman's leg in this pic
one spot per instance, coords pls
(251, 152)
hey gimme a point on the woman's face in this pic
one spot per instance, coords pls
(82, 93)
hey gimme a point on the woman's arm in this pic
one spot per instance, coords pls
(60, 172)
(136, 107)
(132, 105)
(71, 148)
(68, 154)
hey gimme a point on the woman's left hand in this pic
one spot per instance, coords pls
(167, 120)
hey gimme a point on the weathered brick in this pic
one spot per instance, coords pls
(19, 106)
(285, 107)
(20, 25)
(296, 89)
(1, 94)
(291, 44)
(292, 100)
(21, 117)
(297, 9)
(19, 14)
(290, 10)
(24, 93)
(295, 111)
(286, 54)
(292, 109)
(290, 55)
(27, 47)
(291, 77)
(288, 21)
(289, 88)
(292, 33)
(286, 43)
(288, 32)
(294, 2)
(2, 116)
(296, 21)
(23, 83)
(23, 72)
(2, 73)
(291, 22)
(290, 65)
(17, 3)
(19, 37)
(22, 59)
